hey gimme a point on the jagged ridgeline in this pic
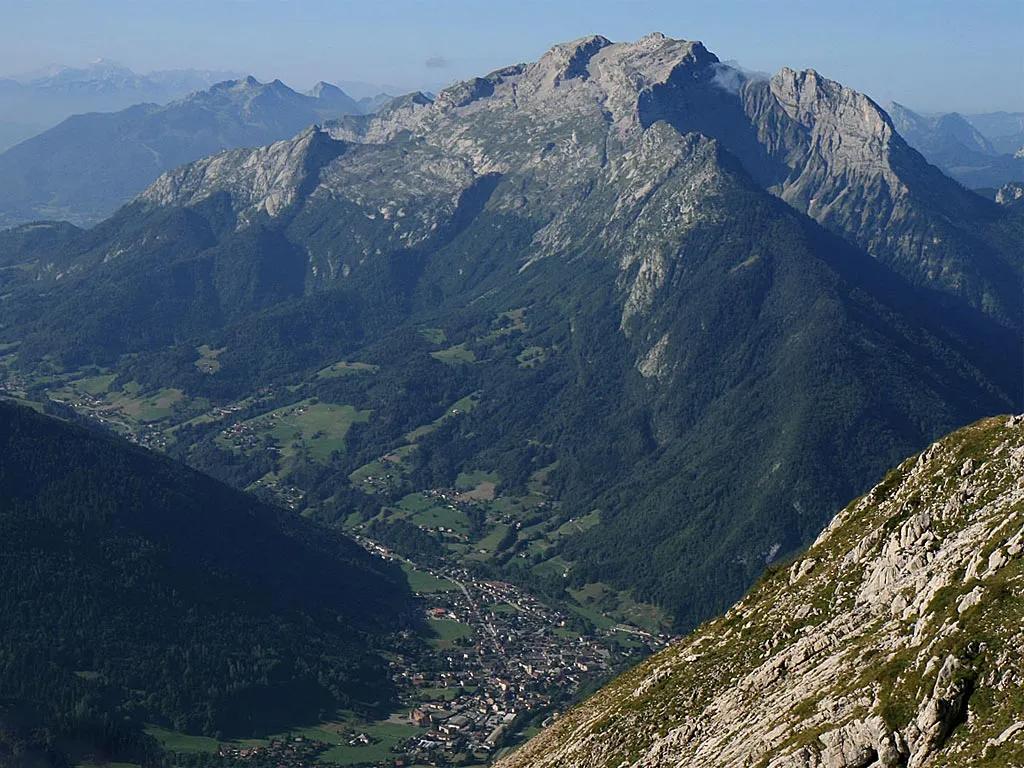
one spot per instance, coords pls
(739, 301)
(135, 590)
(894, 641)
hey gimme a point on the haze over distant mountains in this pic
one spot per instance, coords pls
(84, 168)
(966, 147)
(35, 101)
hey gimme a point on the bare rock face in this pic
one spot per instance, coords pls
(894, 642)
(1008, 193)
(267, 179)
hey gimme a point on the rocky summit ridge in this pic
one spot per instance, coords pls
(894, 641)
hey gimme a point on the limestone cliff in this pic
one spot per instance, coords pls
(894, 641)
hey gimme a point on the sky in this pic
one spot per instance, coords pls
(930, 55)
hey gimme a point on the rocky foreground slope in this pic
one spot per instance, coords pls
(894, 641)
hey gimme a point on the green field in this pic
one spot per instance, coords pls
(448, 632)
(508, 323)
(580, 524)
(606, 600)
(455, 355)
(208, 362)
(463, 405)
(378, 468)
(502, 608)
(438, 516)
(421, 581)
(490, 541)
(599, 620)
(131, 404)
(317, 427)
(95, 385)
(182, 742)
(434, 335)
(345, 368)
(437, 694)
(388, 734)
(37, 407)
(467, 481)
(532, 357)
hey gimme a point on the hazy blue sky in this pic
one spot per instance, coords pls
(928, 54)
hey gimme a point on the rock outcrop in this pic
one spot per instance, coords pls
(893, 642)
(1010, 193)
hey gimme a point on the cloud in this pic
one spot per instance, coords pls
(730, 76)
(436, 62)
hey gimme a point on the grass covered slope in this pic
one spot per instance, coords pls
(894, 641)
(130, 583)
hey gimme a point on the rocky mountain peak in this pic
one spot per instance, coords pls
(809, 98)
(827, 150)
(566, 61)
(1010, 193)
(618, 69)
(325, 90)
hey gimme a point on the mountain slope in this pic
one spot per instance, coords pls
(87, 166)
(134, 585)
(679, 307)
(893, 641)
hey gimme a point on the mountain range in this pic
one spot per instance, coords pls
(739, 300)
(893, 641)
(953, 143)
(89, 165)
(38, 100)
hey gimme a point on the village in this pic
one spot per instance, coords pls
(519, 664)
(292, 752)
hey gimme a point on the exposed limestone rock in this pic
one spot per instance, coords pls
(264, 180)
(874, 649)
(1010, 192)
(653, 363)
